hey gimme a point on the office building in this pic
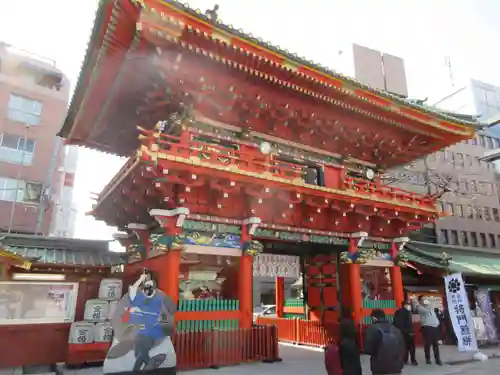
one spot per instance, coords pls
(467, 183)
(33, 102)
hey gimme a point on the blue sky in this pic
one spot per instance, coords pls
(422, 32)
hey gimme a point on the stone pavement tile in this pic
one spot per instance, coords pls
(491, 367)
(299, 360)
(302, 361)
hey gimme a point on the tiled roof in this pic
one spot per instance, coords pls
(470, 261)
(94, 46)
(61, 251)
(40, 255)
(304, 61)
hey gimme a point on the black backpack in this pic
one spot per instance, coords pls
(391, 349)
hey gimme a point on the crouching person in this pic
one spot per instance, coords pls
(385, 345)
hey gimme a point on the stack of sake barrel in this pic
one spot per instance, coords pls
(96, 326)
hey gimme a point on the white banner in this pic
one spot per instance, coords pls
(461, 318)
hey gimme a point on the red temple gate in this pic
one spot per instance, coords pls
(242, 146)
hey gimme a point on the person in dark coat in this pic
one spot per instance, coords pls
(404, 322)
(350, 357)
(451, 338)
(385, 345)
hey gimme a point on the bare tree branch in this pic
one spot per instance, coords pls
(438, 183)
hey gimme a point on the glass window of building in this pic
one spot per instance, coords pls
(24, 110)
(16, 149)
(27, 192)
(492, 240)
(482, 240)
(459, 160)
(487, 214)
(496, 215)
(465, 238)
(453, 237)
(489, 142)
(469, 212)
(473, 237)
(448, 208)
(444, 236)
(479, 213)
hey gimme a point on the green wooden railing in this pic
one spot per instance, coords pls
(293, 316)
(294, 303)
(208, 305)
(379, 304)
(368, 319)
(206, 325)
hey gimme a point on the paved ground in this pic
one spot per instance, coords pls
(309, 361)
(302, 361)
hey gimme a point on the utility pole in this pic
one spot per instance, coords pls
(42, 208)
(18, 179)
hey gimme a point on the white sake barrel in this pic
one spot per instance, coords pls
(81, 333)
(103, 332)
(96, 310)
(110, 289)
(111, 309)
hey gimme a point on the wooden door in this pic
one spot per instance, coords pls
(321, 282)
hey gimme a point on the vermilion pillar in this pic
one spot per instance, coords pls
(245, 291)
(356, 291)
(169, 277)
(280, 296)
(171, 221)
(397, 285)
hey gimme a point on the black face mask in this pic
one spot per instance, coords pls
(148, 290)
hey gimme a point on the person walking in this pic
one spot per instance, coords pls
(430, 330)
(404, 322)
(385, 345)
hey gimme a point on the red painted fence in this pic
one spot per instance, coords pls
(313, 333)
(205, 349)
(213, 349)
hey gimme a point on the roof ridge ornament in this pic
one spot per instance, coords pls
(212, 14)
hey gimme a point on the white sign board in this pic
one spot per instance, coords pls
(461, 318)
(276, 265)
